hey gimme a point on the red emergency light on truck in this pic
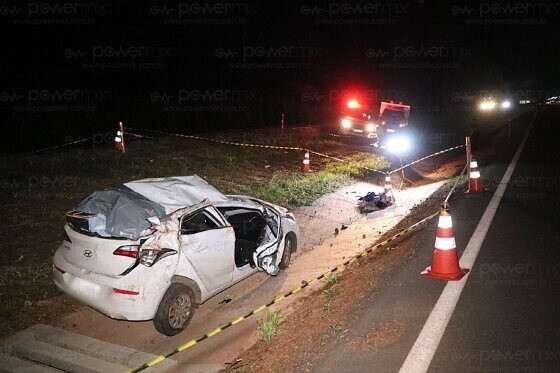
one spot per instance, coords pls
(357, 119)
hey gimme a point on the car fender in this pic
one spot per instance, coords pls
(191, 284)
(289, 225)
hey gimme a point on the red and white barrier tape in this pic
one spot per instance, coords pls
(426, 157)
(296, 148)
(456, 183)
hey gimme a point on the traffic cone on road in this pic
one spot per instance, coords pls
(445, 263)
(119, 139)
(388, 188)
(475, 181)
(305, 167)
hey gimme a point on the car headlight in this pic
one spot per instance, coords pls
(398, 144)
(370, 127)
(487, 105)
(149, 257)
(346, 123)
(506, 104)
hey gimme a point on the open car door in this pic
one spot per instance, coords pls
(265, 256)
(258, 234)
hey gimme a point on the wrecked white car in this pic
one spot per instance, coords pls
(156, 248)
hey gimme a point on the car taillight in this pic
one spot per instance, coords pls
(130, 251)
(65, 236)
(149, 257)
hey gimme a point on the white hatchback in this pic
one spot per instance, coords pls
(156, 248)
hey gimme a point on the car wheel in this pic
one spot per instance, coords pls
(175, 310)
(290, 245)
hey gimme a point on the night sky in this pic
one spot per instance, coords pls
(71, 68)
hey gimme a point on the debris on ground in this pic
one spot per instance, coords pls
(374, 202)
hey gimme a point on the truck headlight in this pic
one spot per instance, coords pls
(346, 123)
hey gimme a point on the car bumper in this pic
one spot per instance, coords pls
(98, 291)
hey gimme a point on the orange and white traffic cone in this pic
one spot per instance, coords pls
(388, 189)
(305, 167)
(475, 181)
(445, 263)
(119, 139)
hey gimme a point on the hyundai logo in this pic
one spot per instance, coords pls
(87, 253)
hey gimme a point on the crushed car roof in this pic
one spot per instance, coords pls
(177, 191)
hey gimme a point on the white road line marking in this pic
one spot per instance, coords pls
(421, 354)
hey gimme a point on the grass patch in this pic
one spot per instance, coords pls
(296, 189)
(332, 279)
(268, 326)
(336, 328)
(330, 293)
(354, 165)
(291, 190)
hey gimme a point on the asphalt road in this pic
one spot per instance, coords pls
(506, 318)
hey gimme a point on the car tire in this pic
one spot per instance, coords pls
(290, 246)
(175, 310)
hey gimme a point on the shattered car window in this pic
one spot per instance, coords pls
(199, 222)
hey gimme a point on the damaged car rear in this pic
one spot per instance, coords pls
(157, 248)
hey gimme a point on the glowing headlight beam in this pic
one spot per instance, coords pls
(398, 144)
(487, 105)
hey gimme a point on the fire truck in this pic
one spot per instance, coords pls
(358, 120)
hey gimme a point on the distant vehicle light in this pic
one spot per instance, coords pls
(353, 104)
(506, 104)
(487, 105)
(346, 123)
(402, 125)
(398, 144)
(370, 127)
(383, 122)
(390, 130)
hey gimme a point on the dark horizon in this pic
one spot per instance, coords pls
(72, 69)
